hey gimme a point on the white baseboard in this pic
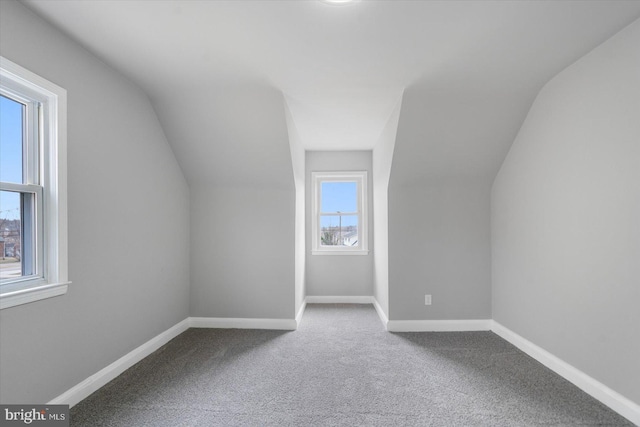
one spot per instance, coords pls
(589, 385)
(358, 299)
(438, 325)
(82, 390)
(300, 313)
(604, 394)
(383, 317)
(242, 323)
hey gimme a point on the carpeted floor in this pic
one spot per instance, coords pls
(340, 368)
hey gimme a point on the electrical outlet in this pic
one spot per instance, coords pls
(427, 300)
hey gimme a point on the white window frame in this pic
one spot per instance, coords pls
(47, 145)
(360, 177)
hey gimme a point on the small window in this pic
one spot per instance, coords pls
(33, 241)
(339, 213)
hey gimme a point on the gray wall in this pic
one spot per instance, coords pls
(439, 212)
(565, 211)
(382, 157)
(337, 275)
(128, 224)
(242, 252)
(243, 190)
(298, 163)
(439, 244)
(243, 209)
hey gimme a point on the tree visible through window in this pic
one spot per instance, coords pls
(21, 192)
(339, 223)
(339, 213)
(33, 220)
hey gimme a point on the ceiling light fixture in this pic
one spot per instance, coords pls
(337, 2)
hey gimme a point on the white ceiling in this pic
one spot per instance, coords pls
(341, 69)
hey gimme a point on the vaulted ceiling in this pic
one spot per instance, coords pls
(220, 72)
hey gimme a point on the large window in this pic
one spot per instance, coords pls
(33, 241)
(339, 206)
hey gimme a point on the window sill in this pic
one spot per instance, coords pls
(339, 252)
(31, 294)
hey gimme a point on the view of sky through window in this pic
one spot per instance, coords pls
(339, 197)
(10, 154)
(11, 142)
(338, 213)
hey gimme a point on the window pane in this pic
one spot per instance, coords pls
(339, 197)
(11, 118)
(10, 235)
(28, 252)
(17, 234)
(339, 230)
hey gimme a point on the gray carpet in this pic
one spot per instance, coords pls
(340, 368)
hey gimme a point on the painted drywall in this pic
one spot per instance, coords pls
(439, 244)
(451, 138)
(243, 211)
(243, 142)
(439, 204)
(242, 252)
(128, 224)
(298, 163)
(382, 158)
(565, 216)
(339, 275)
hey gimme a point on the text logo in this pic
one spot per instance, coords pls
(34, 415)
